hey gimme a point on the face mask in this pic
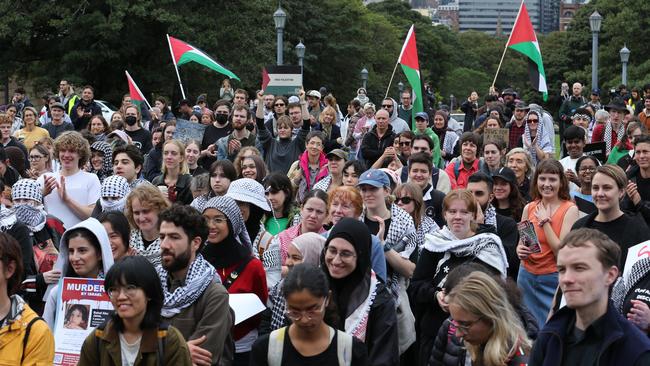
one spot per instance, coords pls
(222, 118)
(113, 205)
(130, 120)
(33, 217)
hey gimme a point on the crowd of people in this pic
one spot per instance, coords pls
(374, 234)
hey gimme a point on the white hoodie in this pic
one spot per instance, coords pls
(62, 263)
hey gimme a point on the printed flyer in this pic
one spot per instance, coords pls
(82, 306)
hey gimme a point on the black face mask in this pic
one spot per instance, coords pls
(221, 118)
(130, 120)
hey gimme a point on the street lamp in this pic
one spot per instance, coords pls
(595, 20)
(364, 77)
(625, 57)
(452, 101)
(400, 87)
(300, 52)
(280, 19)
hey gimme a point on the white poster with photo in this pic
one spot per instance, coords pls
(634, 254)
(82, 306)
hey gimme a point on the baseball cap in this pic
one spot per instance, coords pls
(422, 115)
(58, 105)
(375, 178)
(314, 93)
(337, 152)
(506, 174)
(595, 91)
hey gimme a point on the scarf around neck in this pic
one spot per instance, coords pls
(198, 278)
(608, 135)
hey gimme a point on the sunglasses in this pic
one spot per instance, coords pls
(387, 106)
(279, 105)
(405, 143)
(533, 120)
(404, 200)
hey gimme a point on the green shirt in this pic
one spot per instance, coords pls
(275, 226)
(435, 153)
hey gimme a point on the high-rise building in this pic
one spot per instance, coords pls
(550, 20)
(488, 15)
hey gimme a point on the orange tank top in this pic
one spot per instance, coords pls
(545, 261)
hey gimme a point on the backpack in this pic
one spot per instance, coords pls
(26, 337)
(435, 174)
(344, 343)
(481, 166)
(160, 351)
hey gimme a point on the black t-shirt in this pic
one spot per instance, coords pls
(643, 186)
(373, 226)
(640, 291)
(627, 231)
(290, 356)
(141, 139)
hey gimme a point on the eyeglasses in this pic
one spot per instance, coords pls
(405, 143)
(35, 157)
(345, 255)
(296, 315)
(129, 291)
(404, 200)
(587, 169)
(465, 326)
(387, 106)
(279, 104)
(216, 220)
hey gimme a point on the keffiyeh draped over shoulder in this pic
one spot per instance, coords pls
(628, 280)
(542, 137)
(487, 247)
(229, 208)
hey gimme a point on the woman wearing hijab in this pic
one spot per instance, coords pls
(535, 139)
(101, 159)
(365, 308)
(447, 137)
(85, 252)
(305, 248)
(229, 249)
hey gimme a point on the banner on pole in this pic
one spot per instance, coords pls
(82, 305)
(282, 80)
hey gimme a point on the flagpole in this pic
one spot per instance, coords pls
(506, 47)
(391, 79)
(175, 66)
(130, 79)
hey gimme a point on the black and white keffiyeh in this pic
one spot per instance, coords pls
(7, 219)
(628, 280)
(117, 188)
(229, 208)
(199, 276)
(490, 216)
(107, 163)
(34, 217)
(27, 189)
(540, 135)
(278, 306)
(608, 135)
(486, 246)
(402, 237)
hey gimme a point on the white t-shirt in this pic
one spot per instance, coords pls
(82, 187)
(129, 351)
(568, 163)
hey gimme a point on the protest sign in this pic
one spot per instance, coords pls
(186, 130)
(82, 305)
(597, 149)
(282, 80)
(245, 306)
(635, 254)
(496, 134)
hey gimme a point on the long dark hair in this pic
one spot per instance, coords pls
(516, 202)
(312, 279)
(84, 233)
(276, 182)
(120, 224)
(139, 272)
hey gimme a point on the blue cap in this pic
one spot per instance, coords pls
(422, 115)
(375, 178)
(595, 91)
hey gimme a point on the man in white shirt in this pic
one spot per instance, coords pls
(71, 193)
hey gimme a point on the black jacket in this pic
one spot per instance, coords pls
(80, 123)
(509, 234)
(381, 334)
(644, 206)
(624, 344)
(372, 146)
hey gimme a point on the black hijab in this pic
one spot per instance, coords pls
(226, 253)
(349, 292)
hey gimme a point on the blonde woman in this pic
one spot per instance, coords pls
(487, 323)
(174, 182)
(31, 133)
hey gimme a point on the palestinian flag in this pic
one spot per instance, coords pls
(523, 40)
(408, 59)
(137, 97)
(183, 53)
